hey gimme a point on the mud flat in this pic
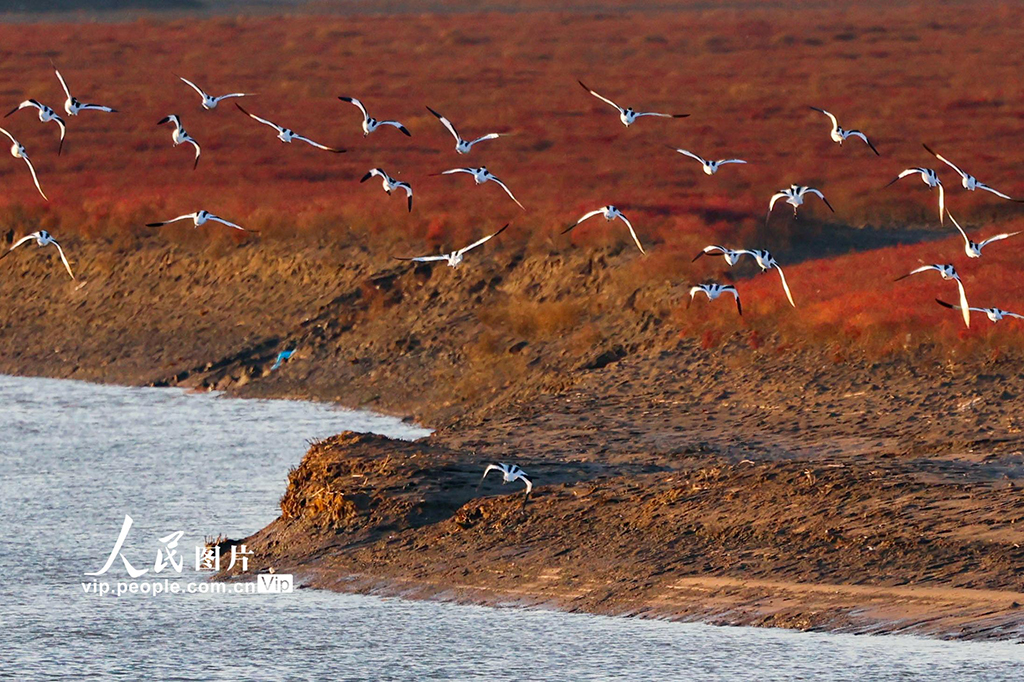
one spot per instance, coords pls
(768, 486)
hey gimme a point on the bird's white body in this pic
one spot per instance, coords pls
(72, 106)
(609, 213)
(968, 181)
(455, 258)
(509, 474)
(209, 102)
(732, 256)
(930, 178)
(287, 134)
(948, 272)
(46, 114)
(180, 136)
(628, 115)
(369, 123)
(840, 134)
(461, 146)
(794, 196)
(18, 152)
(710, 167)
(713, 291)
(482, 175)
(198, 219)
(389, 183)
(42, 238)
(973, 248)
(767, 262)
(993, 314)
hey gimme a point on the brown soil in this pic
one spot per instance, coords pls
(772, 487)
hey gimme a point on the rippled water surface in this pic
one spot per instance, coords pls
(76, 458)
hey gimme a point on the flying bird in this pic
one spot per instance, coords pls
(210, 102)
(969, 182)
(390, 183)
(72, 106)
(994, 314)
(972, 248)
(710, 167)
(43, 238)
(839, 134)
(731, 256)
(930, 178)
(628, 115)
(509, 474)
(455, 257)
(482, 175)
(18, 152)
(948, 272)
(610, 213)
(180, 136)
(766, 262)
(461, 146)
(795, 197)
(370, 123)
(713, 291)
(46, 114)
(198, 218)
(287, 134)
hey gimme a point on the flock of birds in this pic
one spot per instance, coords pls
(794, 195)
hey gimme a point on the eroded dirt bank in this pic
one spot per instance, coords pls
(771, 486)
(868, 543)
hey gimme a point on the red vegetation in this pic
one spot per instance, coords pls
(904, 76)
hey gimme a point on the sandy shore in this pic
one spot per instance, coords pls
(731, 485)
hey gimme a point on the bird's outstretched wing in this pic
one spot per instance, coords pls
(423, 259)
(353, 100)
(835, 123)
(198, 152)
(484, 240)
(944, 160)
(194, 87)
(822, 197)
(987, 188)
(638, 114)
(26, 238)
(965, 308)
(447, 124)
(34, 178)
(62, 83)
(318, 145)
(488, 136)
(507, 191)
(964, 234)
(228, 223)
(996, 238)
(690, 154)
(857, 133)
(187, 216)
(396, 124)
(600, 97)
(785, 285)
(63, 258)
(585, 217)
(261, 120)
(632, 233)
(923, 268)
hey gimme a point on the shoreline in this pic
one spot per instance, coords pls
(656, 461)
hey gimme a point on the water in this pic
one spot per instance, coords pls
(76, 458)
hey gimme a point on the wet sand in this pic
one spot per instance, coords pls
(776, 487)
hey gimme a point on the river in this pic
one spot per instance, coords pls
(77, 458)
